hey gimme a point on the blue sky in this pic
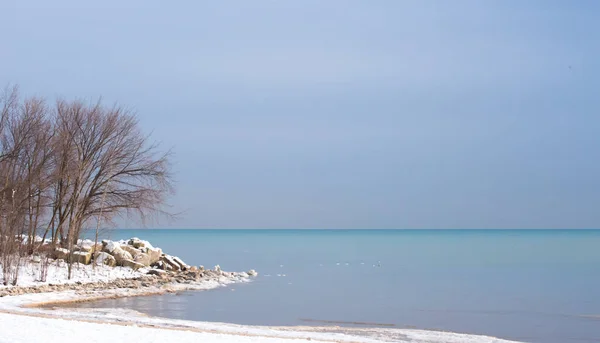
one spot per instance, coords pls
(341, 114)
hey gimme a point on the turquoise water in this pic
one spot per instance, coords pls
(529, 285)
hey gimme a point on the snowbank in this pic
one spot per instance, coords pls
(30, 274)
(16, 329)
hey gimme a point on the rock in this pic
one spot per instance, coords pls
(161, 274)
(181, 264)
(201, 268)
(110, 246)
(137, 243)
(217, 268)
(191, 276)
(80, 248)
(105, 258)
(133, 251)
(98, 247)
(82, 257)
(36, 259)
(62, 254)
(132, 264)
(88, 248)
(154, 253)
(157, 272)
(168, 260)
(194, 269)
(252, 272)
(120, 255)
(162, 266)
(158, 265)
(142, 258)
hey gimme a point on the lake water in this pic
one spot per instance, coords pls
(528, 285)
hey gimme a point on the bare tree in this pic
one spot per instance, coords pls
(60, 168)
(115, 170)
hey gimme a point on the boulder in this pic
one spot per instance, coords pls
(142, 258)
(168, 260)
(133, 251)
(158, 265)
(157, 272)
(137, 243)
(82, 257)
(105, 258)
(119, 254)
(181, 264)
(252, 272)
(83, 248)
(132, 264)
(88, 247)
(154, 254)
(98, 247)
(62, 254)
(109, 246)
(162, 265)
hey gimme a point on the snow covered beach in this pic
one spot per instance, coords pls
(28, 305)
(18, 313)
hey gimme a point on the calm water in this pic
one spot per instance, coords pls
(536, 286)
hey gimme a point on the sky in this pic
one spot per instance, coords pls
(340, 114)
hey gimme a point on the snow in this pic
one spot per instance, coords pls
(111, 246)
(100, 257)
(36, 239)
(30, 272)
(16, 329)
(75, 325)
(145, 243)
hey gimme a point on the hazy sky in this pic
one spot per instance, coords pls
(341, 114)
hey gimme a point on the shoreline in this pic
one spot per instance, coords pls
(134, 268)
(51, 306)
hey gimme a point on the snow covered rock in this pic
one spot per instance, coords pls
(157, 272)
(169, 261)
(87, 246)
(82, 257)
(132, 264)
(158, 265)
(130, 249)
(138, 243)
(105, 258)
(218, 270)
(252, 272)
(109, 246)
(181, 264)
(62, 254)
(154, 254)
(142, 258)
(118, 253)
